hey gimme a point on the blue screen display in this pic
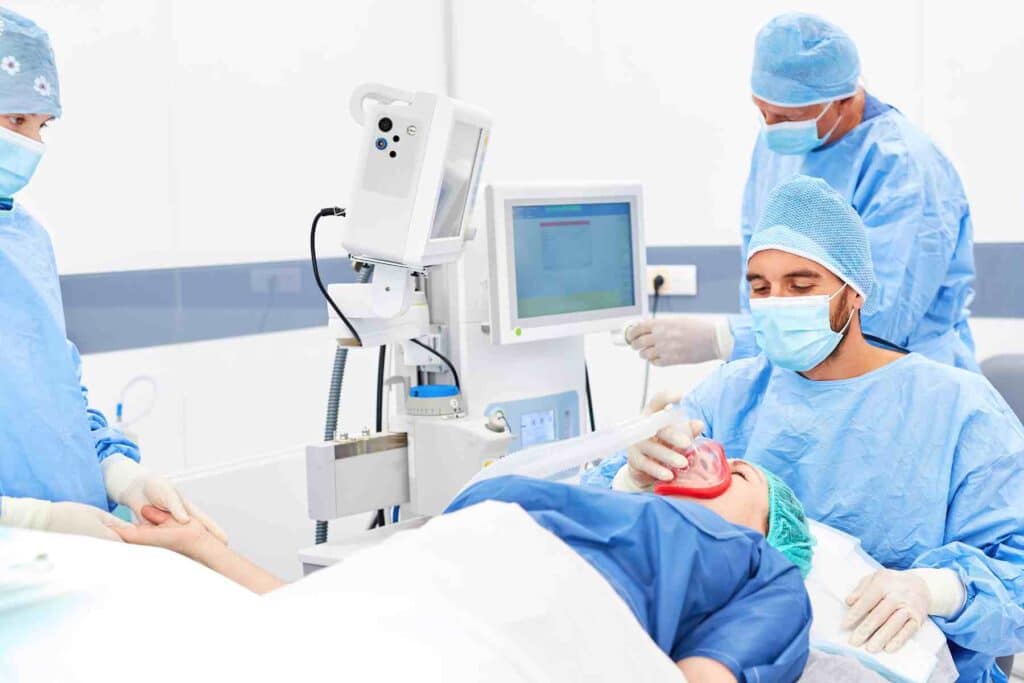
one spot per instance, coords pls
(572, 258)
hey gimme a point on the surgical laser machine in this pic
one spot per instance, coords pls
(507, 310)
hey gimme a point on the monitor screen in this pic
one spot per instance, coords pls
(572, 258)
(536, 428)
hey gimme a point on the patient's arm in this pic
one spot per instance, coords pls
(194, 541)
(704, 670)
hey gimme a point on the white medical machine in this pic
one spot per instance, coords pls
(507, 310)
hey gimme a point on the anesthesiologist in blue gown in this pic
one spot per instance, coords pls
(62, 467)
(819, 121)
(923, 462)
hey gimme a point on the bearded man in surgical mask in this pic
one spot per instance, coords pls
(819, 121)
(919, 460)
(62, 467)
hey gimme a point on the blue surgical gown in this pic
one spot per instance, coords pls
(918, 222)
(921, 461)
(700, 586)
(51, 442)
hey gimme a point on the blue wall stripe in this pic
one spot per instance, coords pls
(134, 309)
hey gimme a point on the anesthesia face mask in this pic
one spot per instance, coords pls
(707, 476)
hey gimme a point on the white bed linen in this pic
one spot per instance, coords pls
(481, 594)
(839, 564)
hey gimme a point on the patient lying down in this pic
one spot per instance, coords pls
(699, 576)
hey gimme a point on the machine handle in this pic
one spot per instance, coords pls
(384, 94)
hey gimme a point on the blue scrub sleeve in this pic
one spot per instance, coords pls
(108, 440)
(601, 476)
(734, 634)
(920, 232)
(985, 547)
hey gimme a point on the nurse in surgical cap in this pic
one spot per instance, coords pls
(62, 466)
(818, 120)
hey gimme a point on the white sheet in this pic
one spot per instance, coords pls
(510, 602)
(482, 594)
(839, 564)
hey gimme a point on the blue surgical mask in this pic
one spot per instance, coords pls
(796, 137)
(19, 157)
(794, 331)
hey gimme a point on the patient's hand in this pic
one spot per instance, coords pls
(195, 541)
(189, 539)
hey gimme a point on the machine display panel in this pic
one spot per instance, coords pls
(572, 258)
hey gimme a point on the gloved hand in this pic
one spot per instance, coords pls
(132, 485)
(63, 517)
(890, 605)
(649, 461)
(682, 339)
(887, 608)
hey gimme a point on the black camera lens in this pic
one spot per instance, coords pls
(392, 154)
(381, 143)
(385, 124)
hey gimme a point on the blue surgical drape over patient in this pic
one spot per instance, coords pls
(51, 442)
(700, 586)
(918, 221)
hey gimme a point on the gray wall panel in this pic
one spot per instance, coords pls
(133, 309)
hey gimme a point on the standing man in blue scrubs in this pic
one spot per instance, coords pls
(820, 122)
(62, 467)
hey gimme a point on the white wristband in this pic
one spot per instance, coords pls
(25, 513)
(623, 481)
(946, 592)
(119, 472)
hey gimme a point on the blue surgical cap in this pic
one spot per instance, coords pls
(806, 217)
(801, 59)
(28, 73)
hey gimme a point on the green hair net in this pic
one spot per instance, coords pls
(788, 531)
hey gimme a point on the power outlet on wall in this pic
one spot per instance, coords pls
(679, 280)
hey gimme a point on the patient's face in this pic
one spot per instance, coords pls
(745, 502)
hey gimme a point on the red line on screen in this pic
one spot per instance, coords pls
(555, 224)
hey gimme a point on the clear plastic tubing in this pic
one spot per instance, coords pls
(546, 460)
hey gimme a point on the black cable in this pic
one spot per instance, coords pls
(590, 400)
(380, 388)
(380, 518)
(451, 368)
(332, 211)
(885, 342)
(659, 282)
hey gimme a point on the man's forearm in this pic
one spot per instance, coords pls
(221, 559)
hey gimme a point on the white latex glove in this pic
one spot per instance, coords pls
(132, 485)
(888, 607)
(63, 518)
(650, 461)
(681, 340)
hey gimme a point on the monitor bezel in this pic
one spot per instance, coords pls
(506, 325)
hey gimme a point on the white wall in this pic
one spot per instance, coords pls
(208, 131)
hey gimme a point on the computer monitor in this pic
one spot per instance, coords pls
(564, 259)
